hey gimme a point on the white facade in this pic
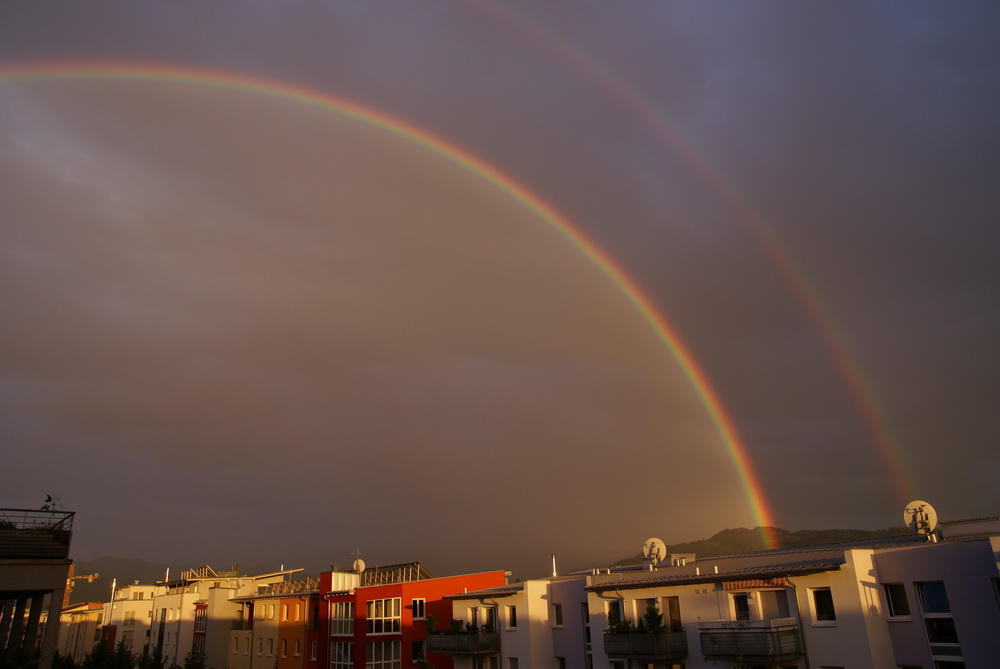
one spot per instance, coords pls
(130, 615)
(539, 623)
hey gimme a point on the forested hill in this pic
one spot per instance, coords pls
(744, 540)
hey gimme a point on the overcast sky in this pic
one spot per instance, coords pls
(237, 328)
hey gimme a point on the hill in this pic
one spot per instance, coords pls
(744, 540)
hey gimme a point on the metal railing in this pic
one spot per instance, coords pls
(476, 643)
(35, 534)
(36, 519)
(669, 644)
(751, 640)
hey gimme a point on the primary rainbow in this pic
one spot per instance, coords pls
(735, 448)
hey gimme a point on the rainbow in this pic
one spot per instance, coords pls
(735, 448)
(858, 384)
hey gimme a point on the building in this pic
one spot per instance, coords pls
(277, 627)
(34, 570)
(197, 610)
(128, 617)
(382, 620)
(535, 623)
(80, 628)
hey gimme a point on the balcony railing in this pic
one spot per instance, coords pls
(35, 534)
(666, 645)
(476, 643)
(751, 640)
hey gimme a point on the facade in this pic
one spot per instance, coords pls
(536, 623)
(382, 622)
(276, 628)
(128, 617)
(941, 598)
(80, 628)
(198, 609)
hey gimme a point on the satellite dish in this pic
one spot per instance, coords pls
(654, 550)
(920, 517)
(358, 566)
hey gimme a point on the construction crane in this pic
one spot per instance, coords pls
(69, 583)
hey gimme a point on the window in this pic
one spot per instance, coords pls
(129, 618)
(557, 615)
(823, 605)
(341, 654)
(383, 654)
(511, 617)
(260, 647)
(511, 663)
(941, 633)
(560, 663)
(298, 647)
(298, 611)
(895, 597)
(419, 608)
(284, 648)
(313, 647)
(741, 606)
(270, 647)
(823, 610)
(419, 651)
(342, 619)
(490, 624)
(672, 609)
(284, 611)
(383, 616)
(614, 613)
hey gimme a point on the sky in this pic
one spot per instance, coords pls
(474, 283)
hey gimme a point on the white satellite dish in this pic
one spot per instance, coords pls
(920, 517)
(358, 566)
(654, 550)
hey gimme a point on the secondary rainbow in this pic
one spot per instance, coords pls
(901, 476)
(723, 423)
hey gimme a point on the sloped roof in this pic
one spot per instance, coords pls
(759, 565)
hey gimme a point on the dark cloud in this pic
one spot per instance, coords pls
(228, 314)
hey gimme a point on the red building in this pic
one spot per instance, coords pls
(382, 623)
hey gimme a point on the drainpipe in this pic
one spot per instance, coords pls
(798, 616)
(496, 622)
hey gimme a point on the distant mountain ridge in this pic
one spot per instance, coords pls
(745, 540)
(726, 542)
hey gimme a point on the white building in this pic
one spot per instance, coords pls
(128, 617)
(532, 624)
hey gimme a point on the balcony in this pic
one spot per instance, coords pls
(751, 640)
(666, 645)
(476, 643)
(35, 535)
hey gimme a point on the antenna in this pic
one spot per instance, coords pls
(921, 518)
(654, 550)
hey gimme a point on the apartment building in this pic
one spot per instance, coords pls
(197, 610)
(382, 622)
(276, 628)
(536, 623)
(80, 627)
(128, 617)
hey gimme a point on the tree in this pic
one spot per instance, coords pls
(653, 619)
(194, 659)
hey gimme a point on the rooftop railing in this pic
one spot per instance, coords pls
(35, 534)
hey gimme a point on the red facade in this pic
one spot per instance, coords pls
(388, 622)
